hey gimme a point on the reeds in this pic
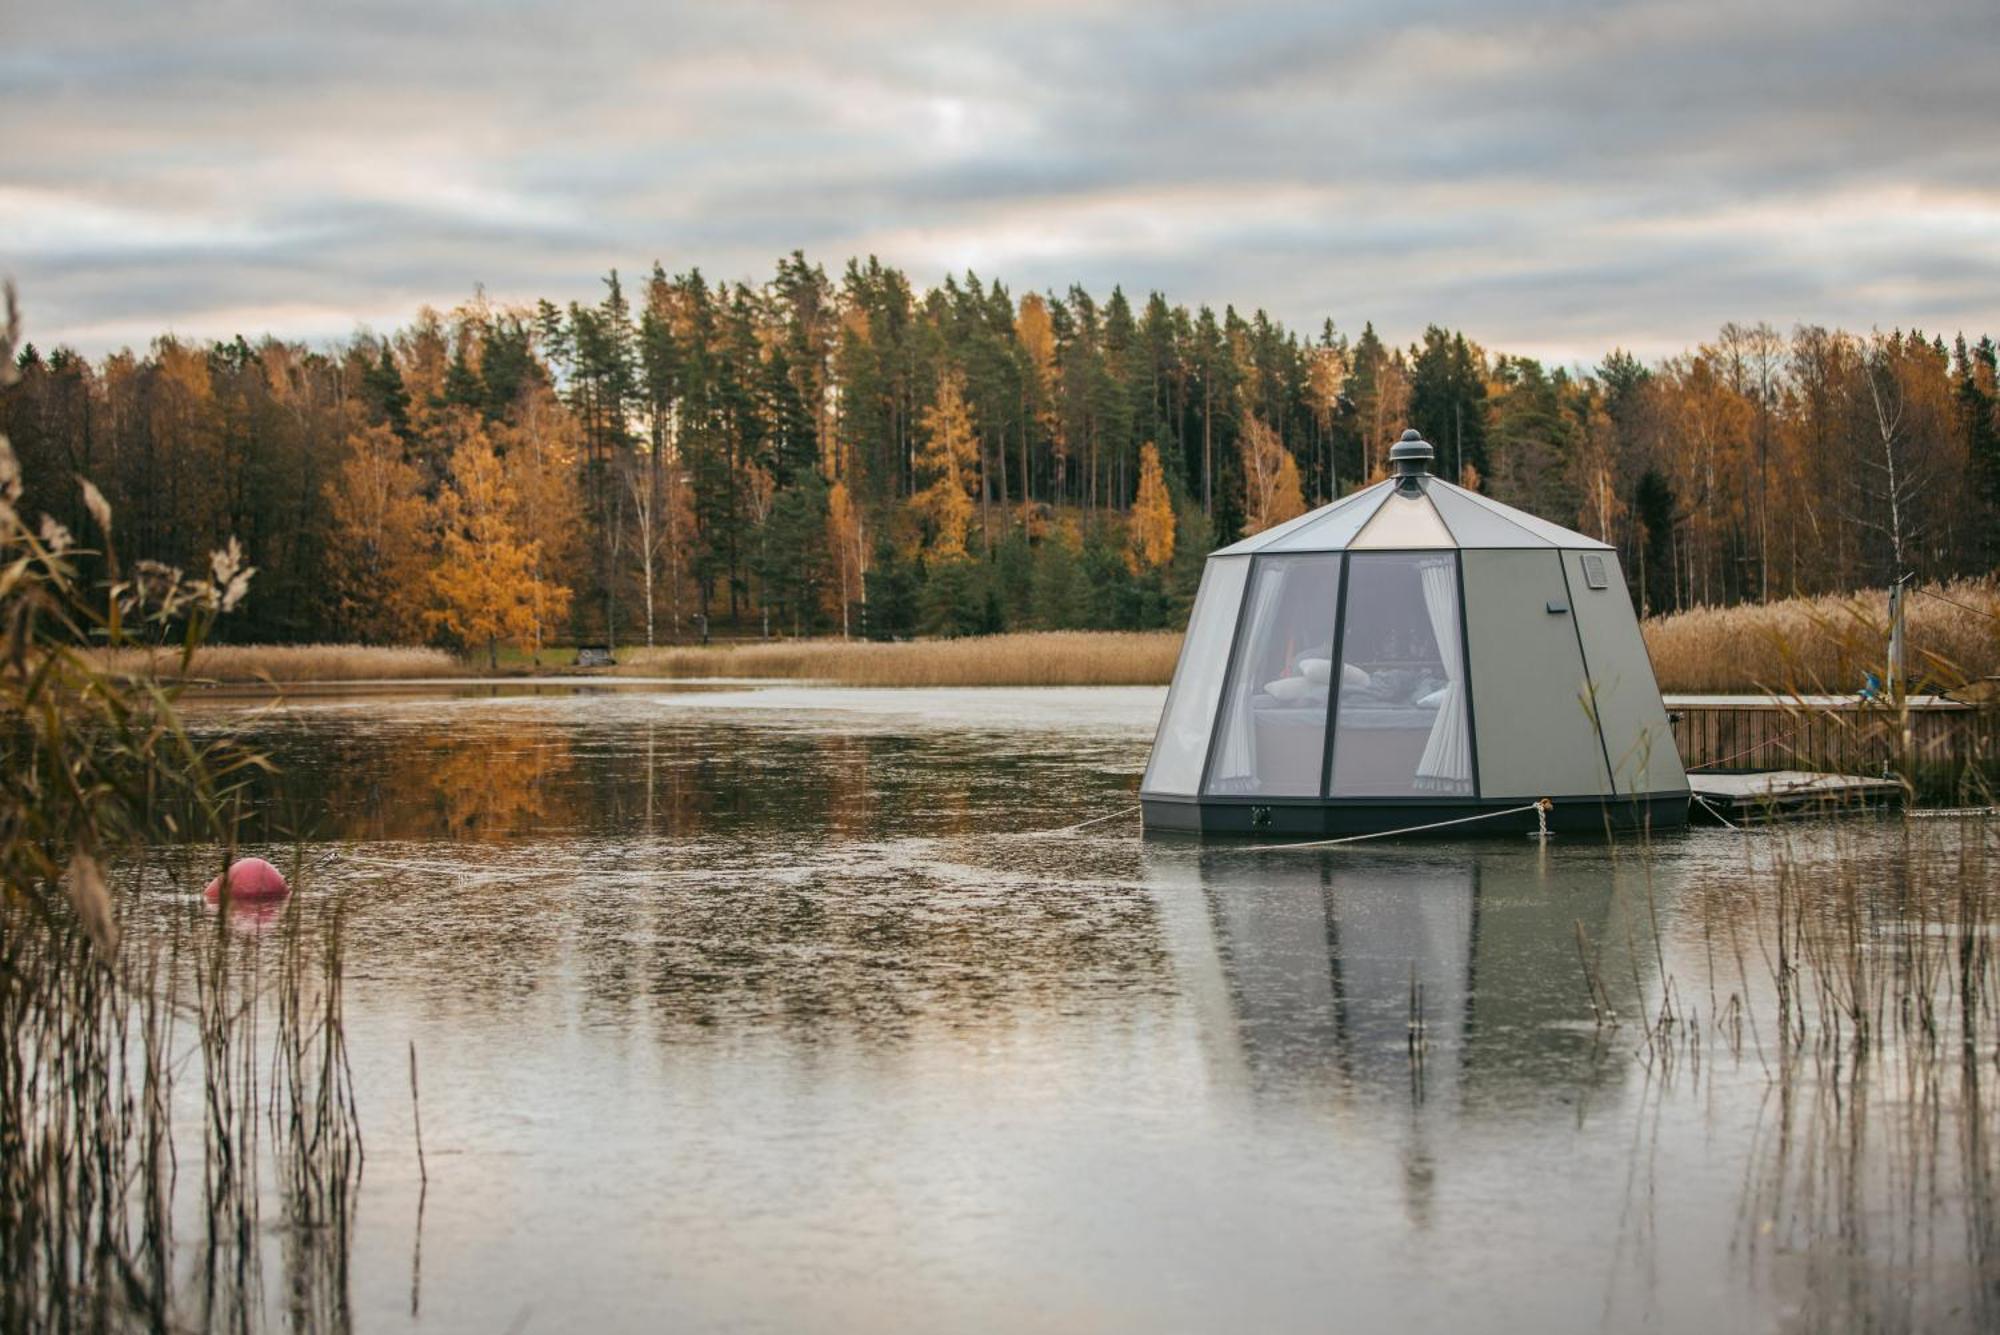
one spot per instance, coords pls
(285, 664)
(1805, 645)
(95, 1031)
(1830, 643)
(1039, 658)
(1045, 658)
(101, 1057)
(1874, 1166)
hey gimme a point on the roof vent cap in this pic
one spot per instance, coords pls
(1410, 457)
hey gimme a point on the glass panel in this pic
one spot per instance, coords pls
(1273, 716)
(1182, 743)
(1334, 527)
(1541, 528)
(1476, 526)
(1257, 542)
(1401, 729)
(1404, 521)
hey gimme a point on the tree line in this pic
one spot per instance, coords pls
(859, 456)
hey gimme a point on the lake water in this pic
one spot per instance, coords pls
(799, 1009)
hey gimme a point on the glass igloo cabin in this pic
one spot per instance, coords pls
(1412, 653)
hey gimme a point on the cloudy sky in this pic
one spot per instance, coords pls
(1555, 178)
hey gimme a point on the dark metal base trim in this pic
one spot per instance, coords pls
(1319, 818)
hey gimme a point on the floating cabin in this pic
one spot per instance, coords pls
(1471, 658)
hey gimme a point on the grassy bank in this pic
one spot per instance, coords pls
(1046, 658)
(1804, 644)
(287, 663)
(1828, 644)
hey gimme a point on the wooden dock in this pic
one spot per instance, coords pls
(1775, 794)
(1931, 739)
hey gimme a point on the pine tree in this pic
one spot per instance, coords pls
(793, 567)
(386, 395)
(1447, 401)
(892, 588)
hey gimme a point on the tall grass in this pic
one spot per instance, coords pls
(1859, 973)
(1047, 658)
(285, 663)
(95, 1031)
(1806, 645)
(1828, 644)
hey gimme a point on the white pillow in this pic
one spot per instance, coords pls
(1316, 669)
(1352, 678)
(1435, 700)
(1288, 688)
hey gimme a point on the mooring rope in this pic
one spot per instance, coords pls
(1086, 824)
(1387, 834)
(1784, 736)
(1713, 812)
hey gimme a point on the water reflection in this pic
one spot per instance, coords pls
(1444, 981)
(818, 1016)
(1347, 970)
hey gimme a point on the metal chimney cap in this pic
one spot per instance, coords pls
(1411, 456)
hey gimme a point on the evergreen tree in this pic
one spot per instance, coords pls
(1448, 401)
(893, 586)
(388, 400)
(793, 568)
(956, 599)
(1060, 599)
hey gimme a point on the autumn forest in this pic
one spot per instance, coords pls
(678, 459)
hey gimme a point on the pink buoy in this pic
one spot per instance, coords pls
(250, 879)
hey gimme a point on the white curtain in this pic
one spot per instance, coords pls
(1447, 763)
(1238, 758)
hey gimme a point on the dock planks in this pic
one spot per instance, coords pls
(1777, 793)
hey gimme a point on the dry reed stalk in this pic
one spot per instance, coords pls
(1043, 658)
(286, 663)
(1828, 644)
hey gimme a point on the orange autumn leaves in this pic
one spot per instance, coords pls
(1271, 491)
(467, 560)
(1149, 534)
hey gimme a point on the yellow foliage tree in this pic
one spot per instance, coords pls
(947, 461)
(380, 535)
(1149, 536)
(484, 585)
(1034, 328)
(844, 538)
(539, 451)
(1271, 493)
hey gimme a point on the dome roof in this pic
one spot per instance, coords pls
(1414, 510)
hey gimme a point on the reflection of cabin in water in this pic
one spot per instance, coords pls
(1468, 657)
(1304, 970)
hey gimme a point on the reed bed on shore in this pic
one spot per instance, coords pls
(1828, 644)
(1045, 658)
(111, 1060)
(1859, 975)
(97, 1029)
(285, 663)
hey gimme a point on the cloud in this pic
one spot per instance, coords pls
(1553, 177)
